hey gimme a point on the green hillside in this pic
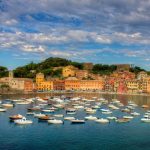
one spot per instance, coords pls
(47, 67)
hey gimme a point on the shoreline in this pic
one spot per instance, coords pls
(66, 92)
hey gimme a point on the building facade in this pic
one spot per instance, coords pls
(69, 71)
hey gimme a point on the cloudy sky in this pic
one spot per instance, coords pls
(98, 31)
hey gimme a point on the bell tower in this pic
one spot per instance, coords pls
(11, 74)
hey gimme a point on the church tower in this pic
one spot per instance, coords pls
(11, 74)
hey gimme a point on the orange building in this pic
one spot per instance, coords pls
(29, 85)
(91, 84)
(72, 83)
(59, 85)
(42, 84)
(80, 74)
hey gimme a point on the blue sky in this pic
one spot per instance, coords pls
(98, 31)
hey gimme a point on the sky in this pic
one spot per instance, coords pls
(98, 31)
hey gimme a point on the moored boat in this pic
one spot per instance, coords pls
(77, 121)
(55, 121)
(90, 117)
(102, 120)
(15, 117)
(23, 121)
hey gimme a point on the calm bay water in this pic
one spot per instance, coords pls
(89, 136)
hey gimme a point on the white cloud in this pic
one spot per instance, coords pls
(32, 48)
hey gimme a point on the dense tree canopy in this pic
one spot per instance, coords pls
(3, 71)
(103, 69)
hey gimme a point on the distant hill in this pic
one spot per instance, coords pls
(47, 67)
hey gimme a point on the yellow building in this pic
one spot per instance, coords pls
(42, 84)
(69, 71)
(45, 85)
(91, 84)
(133, 86)
(39, 78)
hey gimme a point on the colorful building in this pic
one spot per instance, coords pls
(133, 86)
(69, 71)
(59, 85)
(82, 74)
(72, 83)
(91, 84)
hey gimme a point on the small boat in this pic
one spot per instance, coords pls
(2, 109)
(123, 120)
(69, 118)
(8, 105)
(113, 107)
(96, 107)
(77, 121)
(30, 113)
(58, 115)
(47, 110)
(130, 107)
(112, 118)
(78, 107)
(23, 103)
(34, 109)
(126, 110)
(44, 118)
(90, 118)
(106, 112)
(146, 120)
(23, 121)
(55, 121)
(102, 120)
(15, 117)
(128, 117)
(39, 115)
(90, 111)
(135, 114)
(71, 111)
(145, 106)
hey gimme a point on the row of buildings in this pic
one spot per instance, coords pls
(19, 84)
(120, 81)
(70, 83)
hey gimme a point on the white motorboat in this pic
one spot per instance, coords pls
(102, 120)
(113, 107)
(128, 117)
(145, 120)
(55, 121)
(112, 118)
(30, 113)
(23, 121)
(95, 107)
(39, 115)
(135, 114)
(78, 107)
(7, 105)
(106, 112)
(58, 115)
(90, 111)
(47, 110)
(90, 117)
(69, 118)
(2, 109)
(77, 121)
(23, 102)
(71, 111)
